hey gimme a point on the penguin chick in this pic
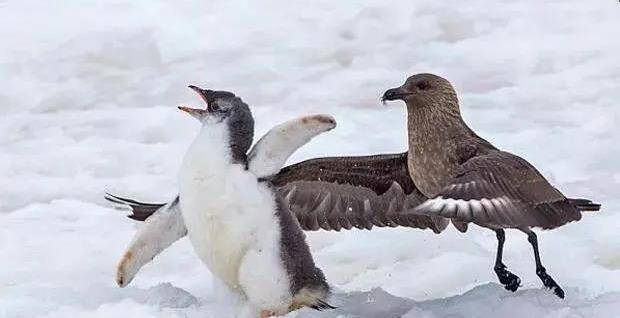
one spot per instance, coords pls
(165, 226)
(241, 230)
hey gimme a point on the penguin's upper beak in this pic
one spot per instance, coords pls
(394, 94)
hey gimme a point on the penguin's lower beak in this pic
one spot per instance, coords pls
(196, 113)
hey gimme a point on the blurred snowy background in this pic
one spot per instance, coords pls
(88, 100)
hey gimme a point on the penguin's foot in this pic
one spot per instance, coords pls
(295, 306)
(267, 314)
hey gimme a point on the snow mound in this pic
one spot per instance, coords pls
(165, 295)
(488, 300)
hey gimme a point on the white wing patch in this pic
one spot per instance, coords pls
(476, 207)
(270, 153)
(464, 210)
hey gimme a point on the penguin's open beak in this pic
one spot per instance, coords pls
(196, 113)
(204, 94)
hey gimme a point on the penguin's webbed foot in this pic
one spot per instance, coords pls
(267, 313)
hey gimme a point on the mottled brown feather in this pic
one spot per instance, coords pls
(529, 199)
(363, 191)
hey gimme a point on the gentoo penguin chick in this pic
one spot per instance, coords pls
(238, 226)
(165, 226)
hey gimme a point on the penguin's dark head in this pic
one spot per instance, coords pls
(224, 107)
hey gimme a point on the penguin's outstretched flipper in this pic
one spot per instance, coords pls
(271, 151)
(159, 231)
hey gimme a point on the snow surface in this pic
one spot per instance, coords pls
(88, 95)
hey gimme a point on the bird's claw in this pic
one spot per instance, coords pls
(549, 282)
(510, 281)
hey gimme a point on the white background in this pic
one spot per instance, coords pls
(88, 93)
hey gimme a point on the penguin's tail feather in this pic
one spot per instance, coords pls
(313, 297)
(321, 305)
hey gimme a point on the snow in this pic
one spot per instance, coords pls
(88, 104)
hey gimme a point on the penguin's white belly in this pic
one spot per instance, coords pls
(231, 222)
(221, 223)
(218, 243)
